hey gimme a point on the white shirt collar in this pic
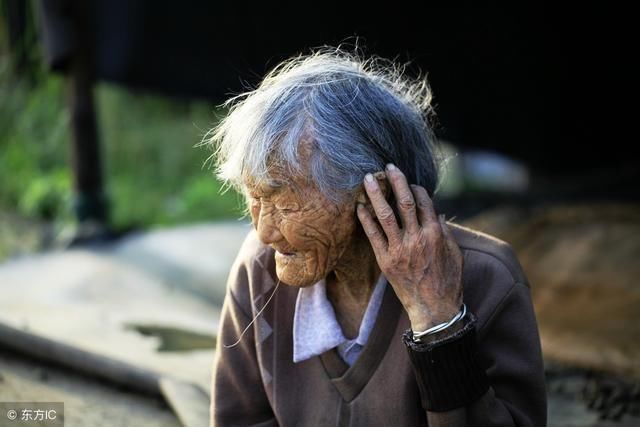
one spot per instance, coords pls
(316, 329)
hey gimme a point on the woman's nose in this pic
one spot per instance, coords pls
(267, 230)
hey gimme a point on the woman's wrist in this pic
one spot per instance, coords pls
(435, 331)
(421, 320)
(437, 336)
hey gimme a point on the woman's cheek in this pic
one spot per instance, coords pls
(254, 211)
(293, 232)
(301, 232)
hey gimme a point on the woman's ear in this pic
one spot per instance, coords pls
(362, 197)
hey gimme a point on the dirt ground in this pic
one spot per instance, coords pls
(87, 401)
(582, 263)
(577, 398)
(585, 398)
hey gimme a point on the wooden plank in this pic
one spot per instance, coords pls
(115, 371)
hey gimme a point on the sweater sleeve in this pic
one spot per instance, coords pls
(504, 363)
(238, 397)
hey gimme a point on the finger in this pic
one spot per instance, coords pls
(426, 213)
(404, 197)
(384, 213)
(372, 230)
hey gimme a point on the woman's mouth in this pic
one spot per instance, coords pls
(285, 256)
(281, 252)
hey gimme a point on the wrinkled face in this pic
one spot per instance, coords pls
(309, 232)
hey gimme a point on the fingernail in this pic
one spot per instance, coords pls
(391, 167)
(368, 177)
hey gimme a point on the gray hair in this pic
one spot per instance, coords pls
(357, 114)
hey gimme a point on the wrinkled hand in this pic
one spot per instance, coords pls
(421, 260)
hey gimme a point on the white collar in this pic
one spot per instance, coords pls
(315, 327)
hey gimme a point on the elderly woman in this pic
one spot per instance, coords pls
(352, 302)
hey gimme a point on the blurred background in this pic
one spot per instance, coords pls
(115, 239)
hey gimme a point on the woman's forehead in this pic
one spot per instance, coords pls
(264, 185)
(271, 183)
(277, 178)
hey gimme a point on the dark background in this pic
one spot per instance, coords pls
(520, 79)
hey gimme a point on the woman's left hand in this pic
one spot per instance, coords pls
(421, 260)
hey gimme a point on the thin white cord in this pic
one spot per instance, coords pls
(254, 318)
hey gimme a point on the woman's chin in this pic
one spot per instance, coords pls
(295, 277)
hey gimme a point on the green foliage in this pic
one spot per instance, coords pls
(47, 196)
(153, 162)
(153, 171)
(33, 134)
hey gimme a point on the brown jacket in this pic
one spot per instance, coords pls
(257, 383)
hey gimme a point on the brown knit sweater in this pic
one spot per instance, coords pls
(256, 382)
